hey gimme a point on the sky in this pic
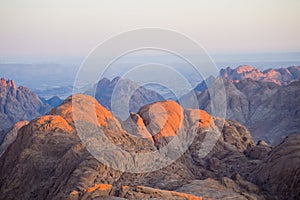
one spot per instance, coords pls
(71, 28)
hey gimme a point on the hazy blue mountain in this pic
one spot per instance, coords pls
(104, 90)
(18, 104)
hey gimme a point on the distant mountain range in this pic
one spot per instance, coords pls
(267, 102)
(280, 76)
(44, 79)
(45, 157)
(48, 92)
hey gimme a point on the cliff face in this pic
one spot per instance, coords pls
(17, 104)
(53, 163)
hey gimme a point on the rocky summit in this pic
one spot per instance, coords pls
(51, 156)
(17, 104)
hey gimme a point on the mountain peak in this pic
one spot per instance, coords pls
(50, 123)
(244, 69)
(17, 104)
(116, 92)
(82, 107)
(280, 76)
(7, 83)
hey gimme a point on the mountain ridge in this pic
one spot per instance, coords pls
(268, 107)
(280, 76)
(54, 160)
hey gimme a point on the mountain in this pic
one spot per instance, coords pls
(270, 109)
(53, 101)
(281, 76)
(44, 79)
(56, 156)
(49, 91)
(119, 89)
(17, 104)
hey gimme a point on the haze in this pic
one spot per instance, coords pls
(63, 28)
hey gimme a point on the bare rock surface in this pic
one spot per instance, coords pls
(279, 173)
(48, 159)
(260, 151)
(213, 189)
(11, 135)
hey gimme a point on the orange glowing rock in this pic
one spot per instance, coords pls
(163, 119)
(99, 187)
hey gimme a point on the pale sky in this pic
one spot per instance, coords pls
(39, 28)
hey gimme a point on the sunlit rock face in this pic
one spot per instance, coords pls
(53, 162)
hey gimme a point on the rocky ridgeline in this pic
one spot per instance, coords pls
(281, 76)
(47, 160)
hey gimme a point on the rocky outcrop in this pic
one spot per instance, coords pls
(260, 151)
(279, 173)
(163, 120)
(48, 159)
(105, 191)
(17, 104)
(281, 76)
(235, 134)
